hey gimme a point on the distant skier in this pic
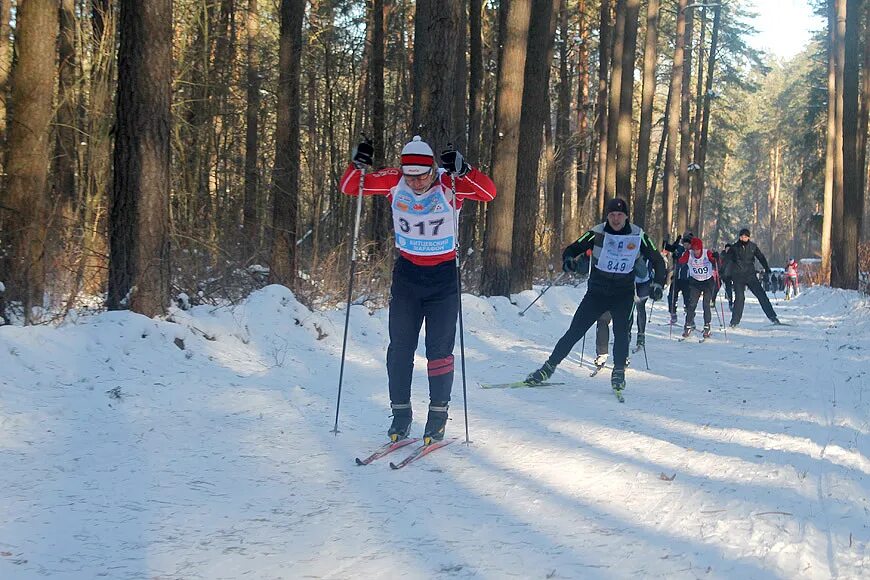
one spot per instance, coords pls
(616, 247)
(680, 276)
(424, 276)
(703, 281)
(791, 279)
(743, 254)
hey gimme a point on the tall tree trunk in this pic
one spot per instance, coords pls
(5, 67)
(380, 214)
(614, 96)
(775, 157)
(436, 40)
(285, 173)
(650, 58)
(673, 126)
(601, 119)
(852, 195)
(837, 240)
(695, 218)
(685, 131)
(626, 102)
(252, 134)
(701, 158)
(564, 145)
(584, 140)
(863, 122)
(506, 131)
(469, 221)
(66, 134)
(657, 166)
(536, 84)
(24, 222)
(830, 144)
(139, 266)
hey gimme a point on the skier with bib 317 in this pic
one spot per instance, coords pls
(424, 284)
(618, 248)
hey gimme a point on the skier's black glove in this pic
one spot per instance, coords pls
(655, 291)
(364, 154)
(569, 264)
(452, 162)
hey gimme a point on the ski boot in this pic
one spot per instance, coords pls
(707, 331)
(687, 331)
(601, 360)
(775, 321)
(641, 341)
(617, 383)
(401, 426)
(673, 317)
(435, 422)
(540, 375)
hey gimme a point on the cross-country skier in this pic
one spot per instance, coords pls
(616, 247)
(791, 279)
(743, 254)
(424, 284)
(680, 276)
(703, 281)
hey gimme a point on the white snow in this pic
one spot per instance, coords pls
(201, 448)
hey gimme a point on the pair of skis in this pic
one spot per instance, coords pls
(418, 453)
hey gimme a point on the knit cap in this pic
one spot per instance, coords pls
(417, 157)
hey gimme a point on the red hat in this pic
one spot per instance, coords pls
(697, 244)
(417, 157)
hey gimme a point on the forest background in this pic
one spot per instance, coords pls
(190, 150)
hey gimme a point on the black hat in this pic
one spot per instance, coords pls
(744, 232)
(616, 204)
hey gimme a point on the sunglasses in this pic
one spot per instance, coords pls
(420, 177)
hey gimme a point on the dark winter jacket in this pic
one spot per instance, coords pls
(742, 257)
(605, 282)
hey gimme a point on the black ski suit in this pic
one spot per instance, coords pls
(606, 292)
(742, 256)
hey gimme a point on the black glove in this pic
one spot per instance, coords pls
(655, 291)
(569, 264)
(452, 162)
(364, 153)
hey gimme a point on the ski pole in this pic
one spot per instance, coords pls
(544, 291)
(459, 298)
(353, 252)
(648, 319)
(583, 347)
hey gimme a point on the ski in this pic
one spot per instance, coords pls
(516, 385)
(386, 449)
(637, 349)
(420, 452)
(596, 371)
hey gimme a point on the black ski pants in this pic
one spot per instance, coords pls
(696, 290)
(620, 304)
(740, 285)
(602, 334)
(418, 294)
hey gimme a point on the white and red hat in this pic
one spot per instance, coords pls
(417, 157)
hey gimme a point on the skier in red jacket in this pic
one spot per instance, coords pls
(424, 284)
(703, 280)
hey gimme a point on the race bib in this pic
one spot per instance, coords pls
(700, 268)
(618, 253)
(424, 223)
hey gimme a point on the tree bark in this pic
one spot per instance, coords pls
(564, 145)
(685, 130)
(509, 91)
(852, 195)
(837, 240)
(695, 218)
(626, 102)
(380, 214)
(669, 191)
(601, 119)
(251, 202)
(644, 140)
(536, 84)
(614, 98)
(436, 41)
(830, 144)
(66, 134)
(468, 225)
(24, 223)
(285, 173)
(139, 266)
(701, 158)
(5, 67)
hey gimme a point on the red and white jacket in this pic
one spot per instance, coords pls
(389, 181)
(714, 264)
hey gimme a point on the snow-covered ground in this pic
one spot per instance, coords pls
(201, 448)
